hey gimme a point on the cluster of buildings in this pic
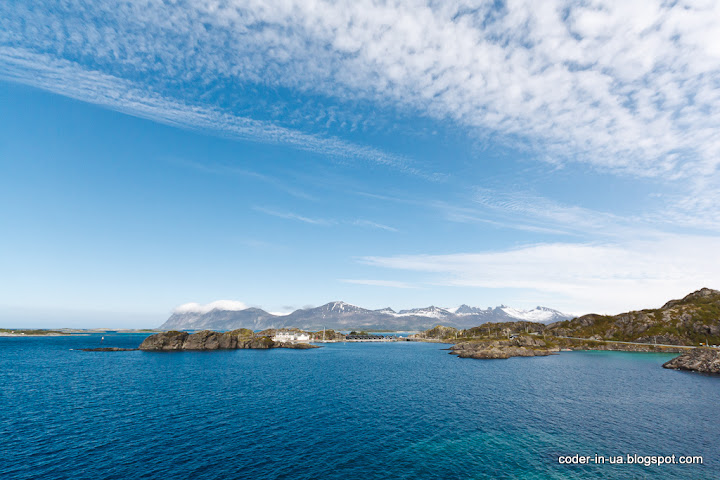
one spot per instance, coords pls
(291, 337)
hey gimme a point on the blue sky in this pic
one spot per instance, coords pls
(285, 154)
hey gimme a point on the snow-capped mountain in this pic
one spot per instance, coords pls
(538, 314)
(344, 316)
(336, 308)
(467, 316)
(466, 310)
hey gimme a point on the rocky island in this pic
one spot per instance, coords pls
(521, 346)
(209, 340)
(704, 360)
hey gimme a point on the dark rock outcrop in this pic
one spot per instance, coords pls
(209, 340)
(705, 360)
(172, 340)
(298, 346)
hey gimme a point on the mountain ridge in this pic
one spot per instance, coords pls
(340, 315)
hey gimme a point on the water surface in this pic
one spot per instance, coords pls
(344, 411)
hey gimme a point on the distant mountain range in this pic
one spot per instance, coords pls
(343, 316)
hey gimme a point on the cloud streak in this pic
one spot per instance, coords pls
(604, 277)
(223, 170)
(71, 80)
(293, 216)
(370, 224)
(324, 222)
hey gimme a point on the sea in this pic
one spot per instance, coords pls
(398, 410)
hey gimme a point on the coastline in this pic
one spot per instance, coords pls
(67, 332)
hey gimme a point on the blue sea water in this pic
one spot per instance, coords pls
(344, 411)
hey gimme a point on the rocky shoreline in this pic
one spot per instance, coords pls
(703, 360)
(210, 340)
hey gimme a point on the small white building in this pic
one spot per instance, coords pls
(291, 337)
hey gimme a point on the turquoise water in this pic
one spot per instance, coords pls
(344, 411)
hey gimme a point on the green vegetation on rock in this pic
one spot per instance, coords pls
(692, 320)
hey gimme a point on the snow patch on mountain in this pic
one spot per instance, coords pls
(537, 314)
(468, 310)
(341, 307)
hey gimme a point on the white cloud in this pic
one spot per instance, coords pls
(628, 86)
(609, 277)
(192, 307)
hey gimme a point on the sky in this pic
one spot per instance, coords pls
(284, 154)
